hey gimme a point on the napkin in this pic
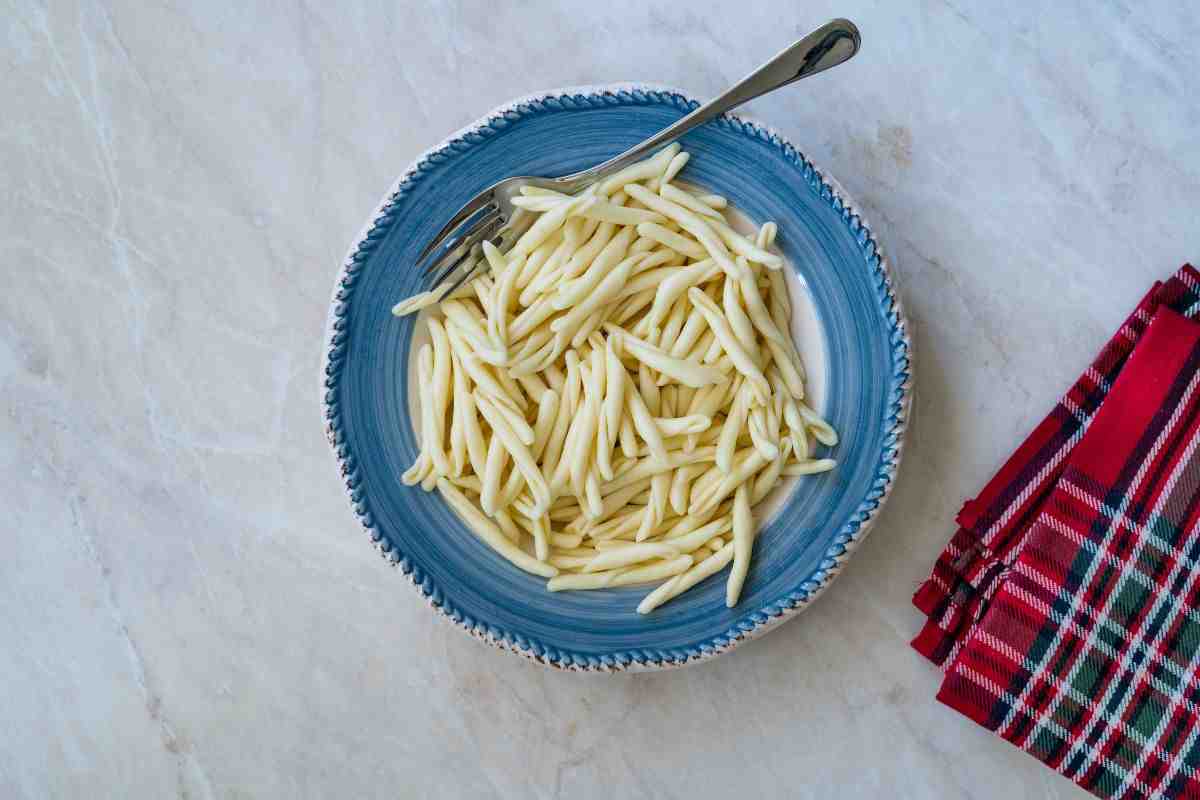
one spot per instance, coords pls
(1066, 607)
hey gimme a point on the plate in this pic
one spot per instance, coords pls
(802, 547)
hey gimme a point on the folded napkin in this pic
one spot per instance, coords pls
(1066, 608)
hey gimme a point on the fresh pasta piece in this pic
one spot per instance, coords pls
(511, 492)
(651, 466)
(540, 191)
(645, 425)
(760, 434)
(740, 474)
(543, 426)
(677, 426)
(582, 258)
(518, 451)
(568, 562)
(425, 467)
(743, 540)
(656, 506)
(439, 395)
(674, 285)
(670, 329)
(744, 247)
(508, 527)
(654, 571)
(705, 404)
(569, 324)
(701, 536)
(676, 164)
(416, 473)
(477, 370)
(811, 467)
(548, 223)
(497, 457)
(739, 320)
(821, 430)
(630, 554)
(757, 310)
(473, 433)
(619, 215)
(766, 480)
(565, 540)
(538, 259)
(570, 294)
(643, 170)
(615, 380)
(469, 482)
(417, 302)
(490, 533)
(685, 371)
(721, 328)
(533, 386)
(681, 483)
(460, 318)
(689, 201)
(681, 583)
(678, 243)
(766, 234)
(649, 389)
(539, 203)
(458, 425)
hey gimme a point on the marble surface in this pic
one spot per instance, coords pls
(188, 608)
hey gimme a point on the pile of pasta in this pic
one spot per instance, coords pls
(608, 401)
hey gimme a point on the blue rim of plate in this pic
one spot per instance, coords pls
(852, 532)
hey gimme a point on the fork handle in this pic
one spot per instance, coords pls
(827, 46)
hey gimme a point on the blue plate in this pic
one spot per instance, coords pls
(365, 384)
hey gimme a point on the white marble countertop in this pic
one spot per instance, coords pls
(187, 607)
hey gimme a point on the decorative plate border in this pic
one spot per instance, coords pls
(851, 534)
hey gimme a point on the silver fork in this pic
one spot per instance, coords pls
(491, 215)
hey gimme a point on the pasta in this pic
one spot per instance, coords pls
(607, 402)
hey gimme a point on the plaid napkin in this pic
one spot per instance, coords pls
(1066, 608)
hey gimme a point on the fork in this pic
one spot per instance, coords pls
(491, 215)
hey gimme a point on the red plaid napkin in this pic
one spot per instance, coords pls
(1066, 608)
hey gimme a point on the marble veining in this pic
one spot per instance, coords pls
(189, 608)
